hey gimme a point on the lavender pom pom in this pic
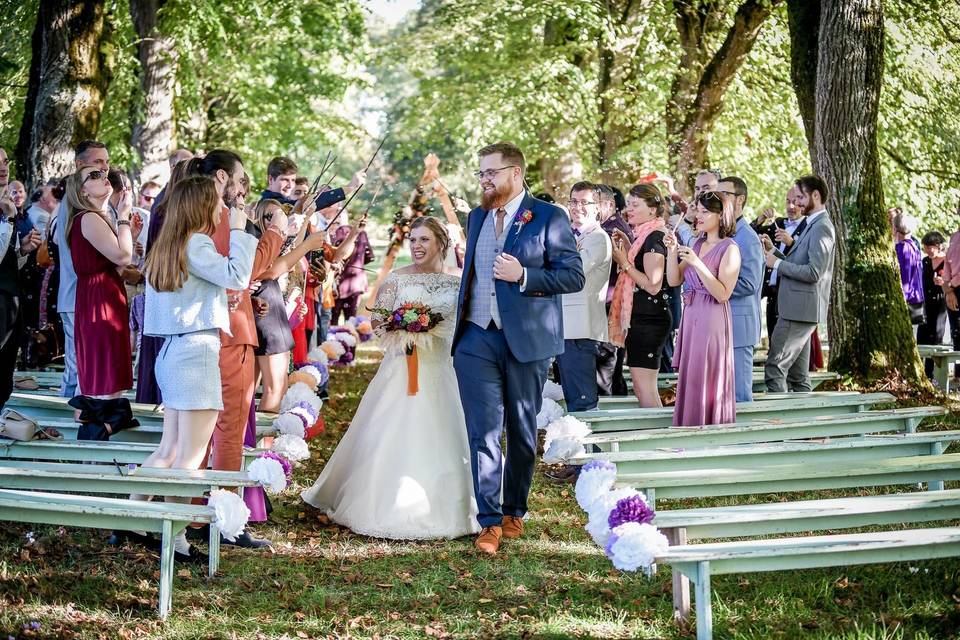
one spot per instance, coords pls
(604, 465)
(287, 467)
(632, 509)
(310, 409)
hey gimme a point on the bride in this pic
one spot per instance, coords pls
(402, 470)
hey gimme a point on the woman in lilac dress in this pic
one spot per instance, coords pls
(704, 351)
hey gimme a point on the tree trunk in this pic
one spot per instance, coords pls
(153, 137)
(701, 81)
(870, 331)
(69, 77)
(804, 20)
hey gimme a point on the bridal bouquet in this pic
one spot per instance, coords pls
(407, 327)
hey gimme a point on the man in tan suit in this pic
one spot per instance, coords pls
(584, 312)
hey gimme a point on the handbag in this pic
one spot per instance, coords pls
(16, 426)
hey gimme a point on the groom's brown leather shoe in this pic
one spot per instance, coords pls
(489, 540)
(512, 527)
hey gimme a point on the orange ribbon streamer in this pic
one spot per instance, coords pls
(413, 371)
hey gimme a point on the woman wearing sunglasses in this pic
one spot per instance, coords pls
(704, 351)
(101, 327)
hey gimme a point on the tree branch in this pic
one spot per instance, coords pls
(904, 164)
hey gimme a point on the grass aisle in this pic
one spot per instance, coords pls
(321, 581)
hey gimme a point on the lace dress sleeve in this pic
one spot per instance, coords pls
(386, 299)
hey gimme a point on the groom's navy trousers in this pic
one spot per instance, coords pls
(498, 391)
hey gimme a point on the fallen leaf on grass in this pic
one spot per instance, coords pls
(485, 600)
(184, 573)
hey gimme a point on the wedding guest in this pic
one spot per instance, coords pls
(42, 205)
(584, 312)
(610, 381)
(187, 297)
(934, 304)
(745, 301)
(704, 350)
(301, 186)
(706, 180)
(17, 194)
(352, 282)
(805, 274)
(4, 168)
(640, 316)
(12, 250)
(102, 330)
(281, 180)
(780, 232)
(88, 153)
(148, 195)
(911, 267)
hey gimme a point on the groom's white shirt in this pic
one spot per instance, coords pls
(511, 209)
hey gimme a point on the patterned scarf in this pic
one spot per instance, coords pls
(622, 307)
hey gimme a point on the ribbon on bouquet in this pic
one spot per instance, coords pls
(413, 370)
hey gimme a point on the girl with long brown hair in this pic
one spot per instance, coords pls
(186, 303)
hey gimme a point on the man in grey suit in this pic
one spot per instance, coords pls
(745, 301)
(805, 274)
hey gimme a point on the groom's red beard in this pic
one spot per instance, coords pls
(497, 198)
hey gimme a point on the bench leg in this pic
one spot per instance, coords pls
(166, 569)
(941, 373)
(704, 605)
(936, 448)
(681, 584)
(213, 550)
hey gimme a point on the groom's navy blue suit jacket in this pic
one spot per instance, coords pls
(532, 320)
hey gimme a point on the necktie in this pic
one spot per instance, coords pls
(501, 214)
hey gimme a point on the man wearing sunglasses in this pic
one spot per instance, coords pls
(89, 153)
(745, 301)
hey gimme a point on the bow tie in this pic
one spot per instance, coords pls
(577, 233)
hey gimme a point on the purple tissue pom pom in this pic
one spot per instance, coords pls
(287, 467)
(306, 406)
(632, 509)
(599, 464)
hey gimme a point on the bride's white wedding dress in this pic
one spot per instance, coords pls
(402, 470)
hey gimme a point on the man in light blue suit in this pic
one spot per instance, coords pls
(745, 301)
(521, 255)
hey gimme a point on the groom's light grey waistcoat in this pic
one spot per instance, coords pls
(482, 306)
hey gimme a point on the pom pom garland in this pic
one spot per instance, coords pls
(598, 525)
(303, 377)
(313, 372)
(347, 339)
(318, 355)
(562, 450)
(552, 390)
(292, 448)
(596, 478)
(305, 417)
(566, 427)
(631, 509)
(230, 513)
(633, 545)
(287, 467)
(288, 424)
(269, 473)
(549, 411)
(298, 393)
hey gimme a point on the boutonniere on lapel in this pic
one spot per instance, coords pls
(523, 219)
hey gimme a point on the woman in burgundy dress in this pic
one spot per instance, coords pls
(104, 364)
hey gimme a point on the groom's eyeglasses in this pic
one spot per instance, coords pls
(490, 173)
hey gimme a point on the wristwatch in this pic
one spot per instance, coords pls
(120, 222)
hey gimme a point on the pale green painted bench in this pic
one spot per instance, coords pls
(817, 378)
(749, 520)
(700, 562)
(764, 430)
(38, 406)
(943, 360)
(149, 433)
(792, 408)
(838, 451)
(120, 480)
(88, 451)
(166, 519)
(630, 402)
(812, 476)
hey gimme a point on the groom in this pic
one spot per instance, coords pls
(521, 254)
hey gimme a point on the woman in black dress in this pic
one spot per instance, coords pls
(932, 328)
(643, 263)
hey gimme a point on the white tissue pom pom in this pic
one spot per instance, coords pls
(552, 390)
(289, 424)
(636, 545)
(231, 514)
(336, 347)
(563, 449)
(269, 473)
(549, 411)
(292, 448)
(599, 514)
(299, 392)
(346, 338)
(317, 355)
(566, 427)
(313, 372)
(593, 482)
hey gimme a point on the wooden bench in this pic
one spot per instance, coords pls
(88, 451)
(812, 476)
(630, 401)
(700, 562)
(943, 358)
(764, 430)
(802, 406)
(148, 433)
(749, 520)
(817, 378)
(120, 480)
(834, 450)
(166, 519)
